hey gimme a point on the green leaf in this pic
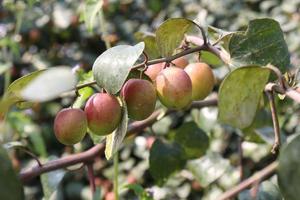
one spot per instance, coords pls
(262, 43)
(221, 35)
(239, 95)
(84, 94)
(12, 95)
(38, 142)
(261, 129)
(114, 140)
(50, 84)
(139, 191)
(10, 186)
(91, 11)
(210, 58)
(151, 47)
(289, 170)
(165, 159)
(208, 168)
(170, 34)
(194, 140)
(112, 67)
(51, 180)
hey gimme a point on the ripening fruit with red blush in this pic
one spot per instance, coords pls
(180, 62)
(153, 70)
(140, 98)
(202, 79)
(174, 88)
(103, 113)
(70, 126)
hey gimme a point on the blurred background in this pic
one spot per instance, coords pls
(41, 34)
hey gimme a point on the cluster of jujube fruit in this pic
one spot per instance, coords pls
(176, 86)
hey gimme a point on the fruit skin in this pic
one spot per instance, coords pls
(202, 79)
(180, 62)
(70, 126)
(103, 113)
(140, 98)
(153, 70)
(174, 88)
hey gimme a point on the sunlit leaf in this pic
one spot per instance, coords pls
(170, 34)
(51, 180)
(50, 84)
(239, 95)
(262, 43)
(84, 94)
(261, 129)
(151, 47)
(112, 67)
(12, 95)
(114, 140)
(91, 11)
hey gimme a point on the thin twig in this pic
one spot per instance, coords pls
(91, 176)
(89, 155)
(33, 156)
(276, 145)
(261, 175)
(146, 58)
(278, 73)
(205, 40)
(78, 87)
(169, 59)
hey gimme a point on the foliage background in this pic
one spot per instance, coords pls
(41, 34)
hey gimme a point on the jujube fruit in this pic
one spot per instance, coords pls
(174, 88)
(180, 62)
(70, 126)
(153, 70)
(140, 98)
(103, 113)
(202, 79)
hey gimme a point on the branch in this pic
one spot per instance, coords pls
(224, 56)
(276, 145)
(89, 155)
(289, 92)
(259, 176)
(171, 58)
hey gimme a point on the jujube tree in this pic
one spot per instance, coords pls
(181, 84)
